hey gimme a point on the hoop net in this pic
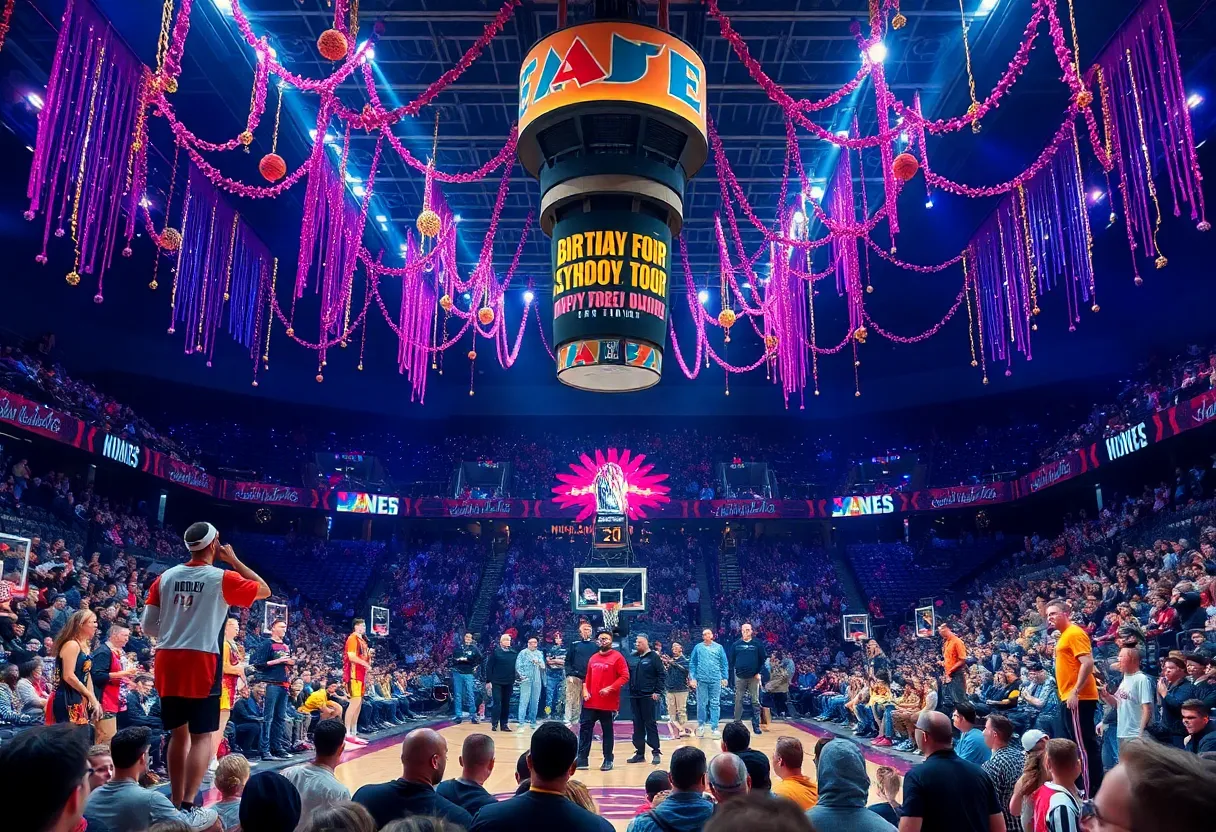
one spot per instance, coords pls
(612, 614)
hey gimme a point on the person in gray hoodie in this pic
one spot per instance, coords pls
(843, 789)
(685, 809)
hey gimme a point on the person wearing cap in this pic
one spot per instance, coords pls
(1039, 704)
(186, 608)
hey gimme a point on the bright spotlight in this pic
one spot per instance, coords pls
(466, 296)
(528, 296)
(703, 296)
(381, 218)
(37, 103)
(370, 54)
(817, 192)
(358, 190)
(986, 7)
(929, 203)
(1097, 195)
(877, 52)
(225, 6)
(457, 218)
(1192, 101)
(351, 178)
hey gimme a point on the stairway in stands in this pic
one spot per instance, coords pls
(848, 579)
(491, 579)
(728, 569)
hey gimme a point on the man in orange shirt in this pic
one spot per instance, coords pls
(1078, 691)
(356, 661)
(793, 784)
(954, 662)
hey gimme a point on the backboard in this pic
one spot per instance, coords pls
(595, 586)
(16, 561)
(926, 621)
(379, 625)
(856, 627)
(272, 612)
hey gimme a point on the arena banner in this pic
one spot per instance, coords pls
(182, 473)
(960, 496)
(273, 495)
(41, 419)
(748, 509)
(1195, 413)
(474, 509)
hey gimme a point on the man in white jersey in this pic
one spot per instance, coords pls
(186, 609)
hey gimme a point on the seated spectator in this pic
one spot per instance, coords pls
(748, 813)
(685, 808)
(269, 804)
(48, 767)
(794, 785)
(123, 805)
(657, 782)
(551, 759)
(946, 791)
(101, 765)
(424, 756)
(315, 781)
(727, 777)
(342, 817)
(247, 717)
(1156, 788)
(889, 783)
(1201, 733)
(737, 740)
(970, 744)
(231, 774)
(578, 793)
(320, 704)
(476, 764)
(843, 789)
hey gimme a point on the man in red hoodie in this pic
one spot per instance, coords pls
(606, 674)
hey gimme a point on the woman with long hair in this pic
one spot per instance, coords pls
(234, 677)
(73, 700)
(577, 792)
(1034, 775)
(888, 781)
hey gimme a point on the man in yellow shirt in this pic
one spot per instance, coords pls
(1078, 690)
(787, 764)
(319, 702)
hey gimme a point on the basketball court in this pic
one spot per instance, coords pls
(617, 793)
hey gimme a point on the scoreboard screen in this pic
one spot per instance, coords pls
(611, 533)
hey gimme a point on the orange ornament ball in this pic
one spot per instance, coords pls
(272, 167)
(486, 315)
(170, 239)
(472, 355)
(332, 45)
(446, 303)
(770, 342)
(905, 167)
(726, 318)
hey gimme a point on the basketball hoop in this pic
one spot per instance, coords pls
(612, 614)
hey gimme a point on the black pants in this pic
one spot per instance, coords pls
(247, 737)
(502, 706)
(645, 724)
(1080, 727)
(586, 726)
(955, 690)
(694, 614)
(780, 703)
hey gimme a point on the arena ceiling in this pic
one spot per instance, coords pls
(806, 45)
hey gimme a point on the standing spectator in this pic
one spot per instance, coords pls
(1155, 788)
(424, 756)
(109, 673)
(646, 682)
(787, 765)
(73, 700)
(188, 627)
(48, 767)
(500, 677)
(946, 793)
(529, 668)
(1201, 733)
(737, 740)
(692, 605)
(466, 659)
(676, 684)
(1057, 805)
(954, 664)
(1134, 699)
(1078, 690)
(1174, 689)
(889, 783)
(551, 763)
(123, 805)
(555, 674)
(272, 658)
(746, 660)
(231, 775)
(708, 670)
(576, 671)
(780, 674)
(607, 673)
(1005, 765)
(315, 781)
(476, 760)
(970, 744)
(843, 789)
(685, 809)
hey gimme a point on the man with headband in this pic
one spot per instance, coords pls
(186, 610)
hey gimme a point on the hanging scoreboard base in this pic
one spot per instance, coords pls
(609, 365)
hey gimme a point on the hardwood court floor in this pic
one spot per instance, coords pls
(617, 793)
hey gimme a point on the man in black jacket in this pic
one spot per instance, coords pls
(465, 661)
(248, 716)
(143, 710)
(646, 683)
(1201, 733)
(576, 670)
(500, 678)
(676, 667)
(747, 658)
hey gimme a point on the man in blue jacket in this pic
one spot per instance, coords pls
(708, 671)
(686, 808)
(747, 658)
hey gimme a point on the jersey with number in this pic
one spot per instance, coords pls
(356, 644)
(185, 610)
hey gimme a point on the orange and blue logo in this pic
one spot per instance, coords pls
(612, 61)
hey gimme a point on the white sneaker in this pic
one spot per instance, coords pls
(199, 818)
(700, 730)
(213, 765)
(521, 728)
(717, 734)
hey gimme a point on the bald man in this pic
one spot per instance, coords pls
(424, 756)
(946, 793)
(728, 777)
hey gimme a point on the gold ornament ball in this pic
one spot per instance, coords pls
(1161, 261)
(470, 391)
(332, 45)
(857, 394)
(1139, 281)
(1095, 308)
(170, 239)
(290, 332)
(1034, 327)
(899, 21)
(227, 297)
(1204, 225)
(169, 84)
(342, 344)
(272, 167)
(1085, 98)
(360, 367)
(905, 167)
(985, 379)
(857, 363)
(770, 342)
(428, 223)
(153, 285)
(974, 363)
(137, 145)
(1035, 311)
(255, 382)
(861, 334)
(486, 315)
(472, 355)
(869, 290)
(726, 318)
(73, 278)
(446, 303)
(245, 138)
(320, 378)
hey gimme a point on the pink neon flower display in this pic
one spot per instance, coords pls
(618, 483)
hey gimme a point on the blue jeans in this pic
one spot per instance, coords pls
(529, 699)
(555, 686)
(833, 707)
(709, 699)
(865, 717)
(464, 693)
(888, 729)
(274, 731)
